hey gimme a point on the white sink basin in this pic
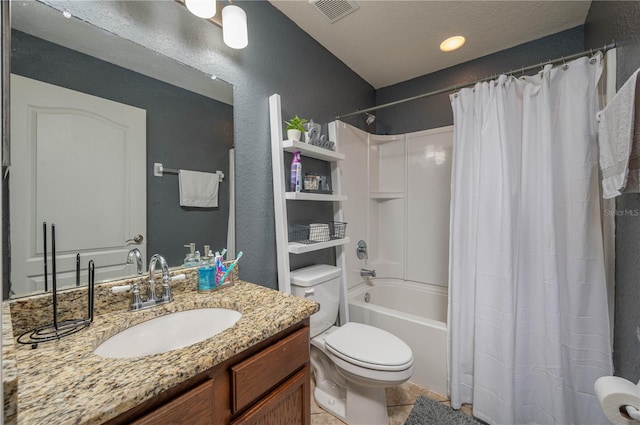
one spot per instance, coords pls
(168, 333)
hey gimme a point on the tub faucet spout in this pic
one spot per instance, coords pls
(367, 273)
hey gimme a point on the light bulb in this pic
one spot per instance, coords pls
(234, 27)
(202, 8)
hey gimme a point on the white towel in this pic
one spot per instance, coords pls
(619, 140)
(198, 189)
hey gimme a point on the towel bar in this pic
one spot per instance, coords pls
(159, 170)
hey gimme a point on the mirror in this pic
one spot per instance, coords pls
(186, 122)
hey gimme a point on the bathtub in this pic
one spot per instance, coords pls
(414, 312)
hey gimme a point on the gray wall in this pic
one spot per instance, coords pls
(184, 130)
(281, 59)
(435, 111)
(620, 21)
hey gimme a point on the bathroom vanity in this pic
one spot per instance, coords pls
(255, 372)
(268, 384)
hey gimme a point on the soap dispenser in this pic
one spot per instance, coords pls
(190, 260)
(206, 272)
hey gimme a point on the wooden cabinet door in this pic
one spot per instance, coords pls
(194, 407)
(288, 404)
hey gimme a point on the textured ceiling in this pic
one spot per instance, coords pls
(390, 41)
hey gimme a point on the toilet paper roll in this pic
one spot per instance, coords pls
(613, 393)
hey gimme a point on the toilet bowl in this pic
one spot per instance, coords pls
(354, 363)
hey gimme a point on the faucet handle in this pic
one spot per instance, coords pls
(119, 289)
(136, 300)
(178, 277)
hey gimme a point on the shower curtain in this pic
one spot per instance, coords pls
(528, 320)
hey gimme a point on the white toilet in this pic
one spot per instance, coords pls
(352, 363)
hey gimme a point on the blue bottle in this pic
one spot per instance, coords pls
(206, 272)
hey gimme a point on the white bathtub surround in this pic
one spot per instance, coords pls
(528, 319)
(414, 312)
(399, 194)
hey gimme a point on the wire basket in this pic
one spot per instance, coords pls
(317, 232)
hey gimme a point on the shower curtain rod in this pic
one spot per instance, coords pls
(456, 87)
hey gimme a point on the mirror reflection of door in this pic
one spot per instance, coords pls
(74, 149)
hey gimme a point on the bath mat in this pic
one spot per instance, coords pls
(430, 412)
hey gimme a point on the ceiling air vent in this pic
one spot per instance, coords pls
(335, 10)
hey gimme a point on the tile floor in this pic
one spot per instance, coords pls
(400, 401)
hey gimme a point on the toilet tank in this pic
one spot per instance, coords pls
(319, 283)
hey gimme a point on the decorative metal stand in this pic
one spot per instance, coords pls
(50, 333)
(57, 330)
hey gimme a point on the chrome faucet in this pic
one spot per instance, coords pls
(137, 302)
(367, 273)
(151, 288)
(135, 253)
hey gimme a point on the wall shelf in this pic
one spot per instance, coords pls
(281, 198)
(306, 196)
(300, 248)
(381, 196)
(311, 151)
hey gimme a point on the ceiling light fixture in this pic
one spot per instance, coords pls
(233, 21)
(234, 27)
(202, 8)
(452, 43)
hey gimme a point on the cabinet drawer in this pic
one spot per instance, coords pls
(255, 376)
(287, 404)
(194, 407)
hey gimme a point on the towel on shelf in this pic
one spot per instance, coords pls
(619, 140)
(198, 189)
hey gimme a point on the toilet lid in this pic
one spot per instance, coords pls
(369, 347)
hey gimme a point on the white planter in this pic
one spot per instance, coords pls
(294, 134)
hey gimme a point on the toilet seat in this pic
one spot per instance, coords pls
(369, 347)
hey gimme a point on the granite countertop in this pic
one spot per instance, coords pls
(63, 382)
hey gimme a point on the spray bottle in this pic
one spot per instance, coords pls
(296, 172)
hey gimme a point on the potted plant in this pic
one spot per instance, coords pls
(295, 128)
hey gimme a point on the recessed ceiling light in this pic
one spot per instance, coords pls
(452, 43)
(213, 77)
(66, 14)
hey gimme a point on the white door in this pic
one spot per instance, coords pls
(77, 161)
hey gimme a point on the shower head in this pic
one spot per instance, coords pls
(370, 118)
